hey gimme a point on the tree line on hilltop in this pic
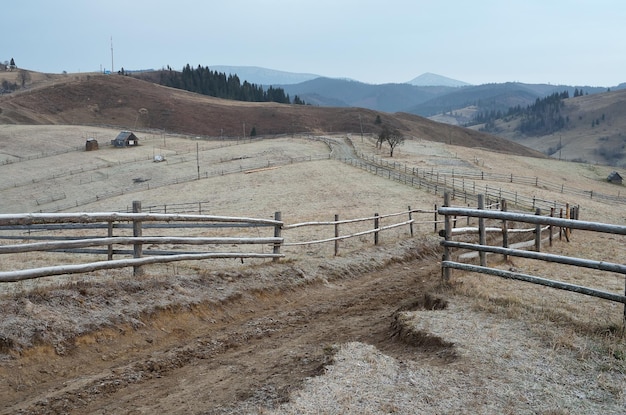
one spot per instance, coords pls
(203, 80)
(541, 118)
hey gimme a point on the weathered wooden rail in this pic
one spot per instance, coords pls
(67, 233)
(112, 221)
(538, 220)
(410, 222)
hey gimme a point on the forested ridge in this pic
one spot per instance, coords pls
(203, 80)
(541, 118)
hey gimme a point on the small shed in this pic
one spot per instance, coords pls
(615, 177)
(91, 144)
(125, 139)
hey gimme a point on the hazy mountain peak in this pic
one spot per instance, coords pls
(264, 76)
(431, 79)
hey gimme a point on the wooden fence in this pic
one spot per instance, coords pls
(29, 226)
(465, 180)
(537, 220)
(459, 188)
(376, 219)
(40, 232)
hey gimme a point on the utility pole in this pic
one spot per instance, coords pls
(361, 124)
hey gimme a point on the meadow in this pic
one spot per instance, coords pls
(499, 346)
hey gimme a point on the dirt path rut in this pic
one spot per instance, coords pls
(245, 355)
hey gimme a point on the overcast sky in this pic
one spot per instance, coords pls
(573, 42)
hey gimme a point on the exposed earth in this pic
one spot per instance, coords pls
(244, 355)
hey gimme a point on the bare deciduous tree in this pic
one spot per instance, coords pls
(391, 136)
(23, 77)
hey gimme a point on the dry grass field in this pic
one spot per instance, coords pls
(369, 331)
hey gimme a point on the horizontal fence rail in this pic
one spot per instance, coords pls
(538, 220)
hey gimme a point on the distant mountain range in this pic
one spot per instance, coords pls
(265, 76)
(428, 95)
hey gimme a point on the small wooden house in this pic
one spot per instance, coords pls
(615, 177)
(125, 139)
(91, 144)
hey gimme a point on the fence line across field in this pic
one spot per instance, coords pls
(437, 181)
(151, 185)
(437, 175)
(344, 221)
(438, 185)
(27, 223)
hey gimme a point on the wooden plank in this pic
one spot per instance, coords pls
(38, 218)
(537, 280)
(544, 220)
(578, 262)
(14, 276)
(128, 240)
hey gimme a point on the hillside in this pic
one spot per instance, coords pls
(369, 329)
(594, 131)
(129, 103)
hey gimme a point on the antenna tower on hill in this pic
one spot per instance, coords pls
(111, 54)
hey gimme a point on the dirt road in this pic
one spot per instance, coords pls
(244, 356)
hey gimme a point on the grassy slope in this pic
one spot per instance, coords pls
(128, 103)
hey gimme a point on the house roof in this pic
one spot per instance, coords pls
(615, 176)
(124, 135)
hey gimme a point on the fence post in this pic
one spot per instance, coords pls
(410, 224)
(505, 229)
(444, 196)
(336, 235)
(550, 226)
(110, 235)
(482, 236)
(376, 223)
(445, 271)
(277, 234)
(538, 232)
(137, 232)
(567, 216)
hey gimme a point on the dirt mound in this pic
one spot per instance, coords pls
(403, 329)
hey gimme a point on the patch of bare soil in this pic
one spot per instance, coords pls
(244, 355)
